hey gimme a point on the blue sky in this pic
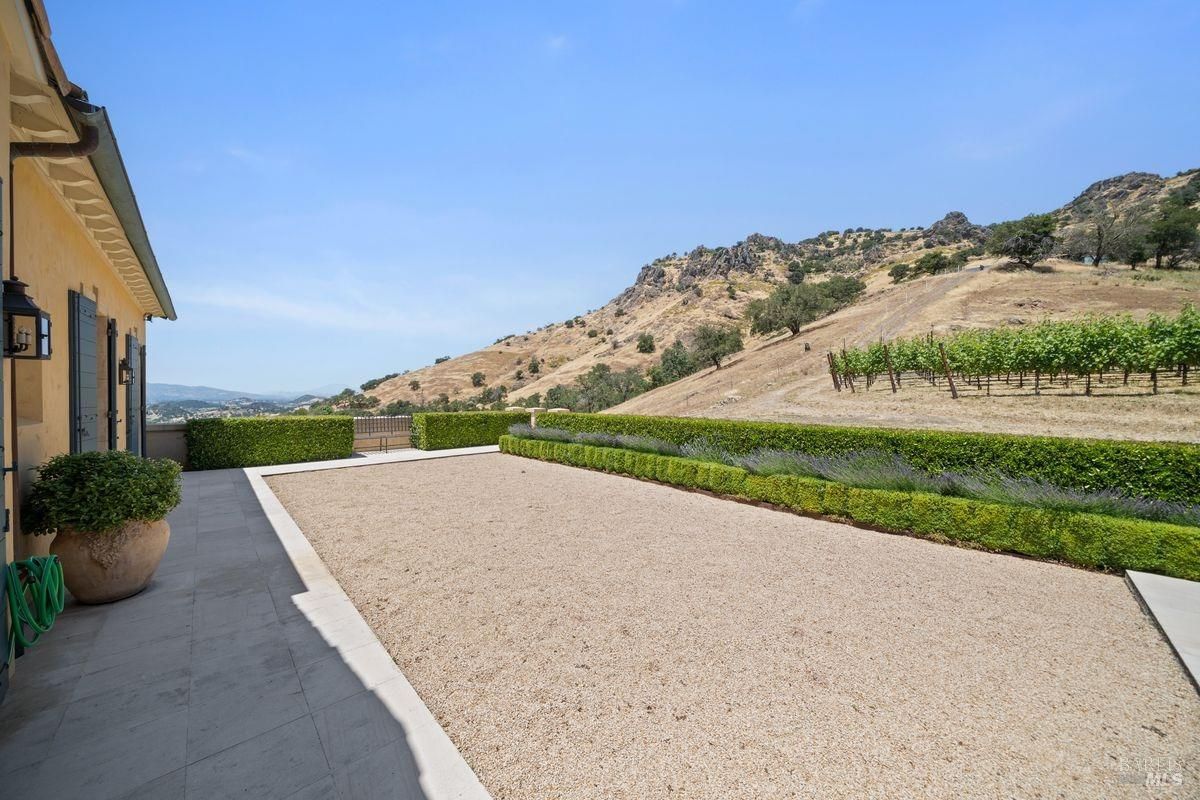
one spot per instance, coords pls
(341, 190)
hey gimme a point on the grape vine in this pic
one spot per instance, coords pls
(1090, 349)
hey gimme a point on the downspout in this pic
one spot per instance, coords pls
(89, 140)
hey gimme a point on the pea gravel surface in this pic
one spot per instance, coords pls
(583, 635)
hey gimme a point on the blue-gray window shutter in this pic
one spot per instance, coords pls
(113, 377)
(84, 388)
(133, 395)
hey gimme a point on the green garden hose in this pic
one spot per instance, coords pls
(36, 596)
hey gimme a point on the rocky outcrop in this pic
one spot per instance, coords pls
(1132, 187)
(953, 229)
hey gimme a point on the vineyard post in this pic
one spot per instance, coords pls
(833, 372)
(946, 368)
(849, 381)
(891, 372)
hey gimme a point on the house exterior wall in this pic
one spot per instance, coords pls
(6, 226)
(55, 255)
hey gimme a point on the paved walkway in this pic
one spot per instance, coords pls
(242, 671)
(1175, 605)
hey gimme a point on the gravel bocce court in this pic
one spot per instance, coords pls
(579, 634)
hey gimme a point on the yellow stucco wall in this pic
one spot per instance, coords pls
(5, 138)
(54, 255)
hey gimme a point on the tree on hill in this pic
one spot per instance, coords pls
(477, 379)
(441, 359)
(842, 289)
(1173, 236)
(1024, 241)
(675, 363)
(535, 366)
(645, 343)
(1103, 234)
(932, 264)
(562, 397)
(601, 387)
(793, 306)
(714, 343)
(414, 384)
(790, 306)
(1133, 251)
(797, 272)
(371, 384)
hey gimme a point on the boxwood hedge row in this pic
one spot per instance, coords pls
(263, 441)
(440, 430)
(1088, 540)
(1166, 471)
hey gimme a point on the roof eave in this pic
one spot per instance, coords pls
(114, 179)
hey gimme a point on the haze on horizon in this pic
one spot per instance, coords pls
(334, 196)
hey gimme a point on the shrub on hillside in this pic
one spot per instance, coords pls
(1024, 241)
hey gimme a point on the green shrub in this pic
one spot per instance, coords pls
(1166, 471)
(99, 492)
(439, 430)
(1088, 540)
(262, 441)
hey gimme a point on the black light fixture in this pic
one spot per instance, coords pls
(124, 372)
(26, 327)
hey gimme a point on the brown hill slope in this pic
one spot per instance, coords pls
(670, 298)
(776, 379)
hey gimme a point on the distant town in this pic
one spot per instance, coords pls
(172, 403)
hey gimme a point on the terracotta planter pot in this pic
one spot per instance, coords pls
(103, 567)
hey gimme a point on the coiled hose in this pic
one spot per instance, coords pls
(36, 595)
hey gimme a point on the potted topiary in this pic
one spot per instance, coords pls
(108, 511)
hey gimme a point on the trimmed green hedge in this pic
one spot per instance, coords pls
(1088, 540)
(1166, 471)
(262, 441)
(441, 430)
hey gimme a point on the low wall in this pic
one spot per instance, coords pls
(167, 441)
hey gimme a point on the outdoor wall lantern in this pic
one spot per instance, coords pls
(26, 327)
(124, 372)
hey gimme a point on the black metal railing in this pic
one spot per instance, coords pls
(382, 426)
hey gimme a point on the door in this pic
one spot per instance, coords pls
(84, 398)
(141, 374)
(133, 395)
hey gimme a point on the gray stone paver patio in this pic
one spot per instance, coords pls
(242, 671)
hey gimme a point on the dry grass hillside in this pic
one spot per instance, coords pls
(776, 378)
(671, 298)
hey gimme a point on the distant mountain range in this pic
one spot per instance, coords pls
(175, 393)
